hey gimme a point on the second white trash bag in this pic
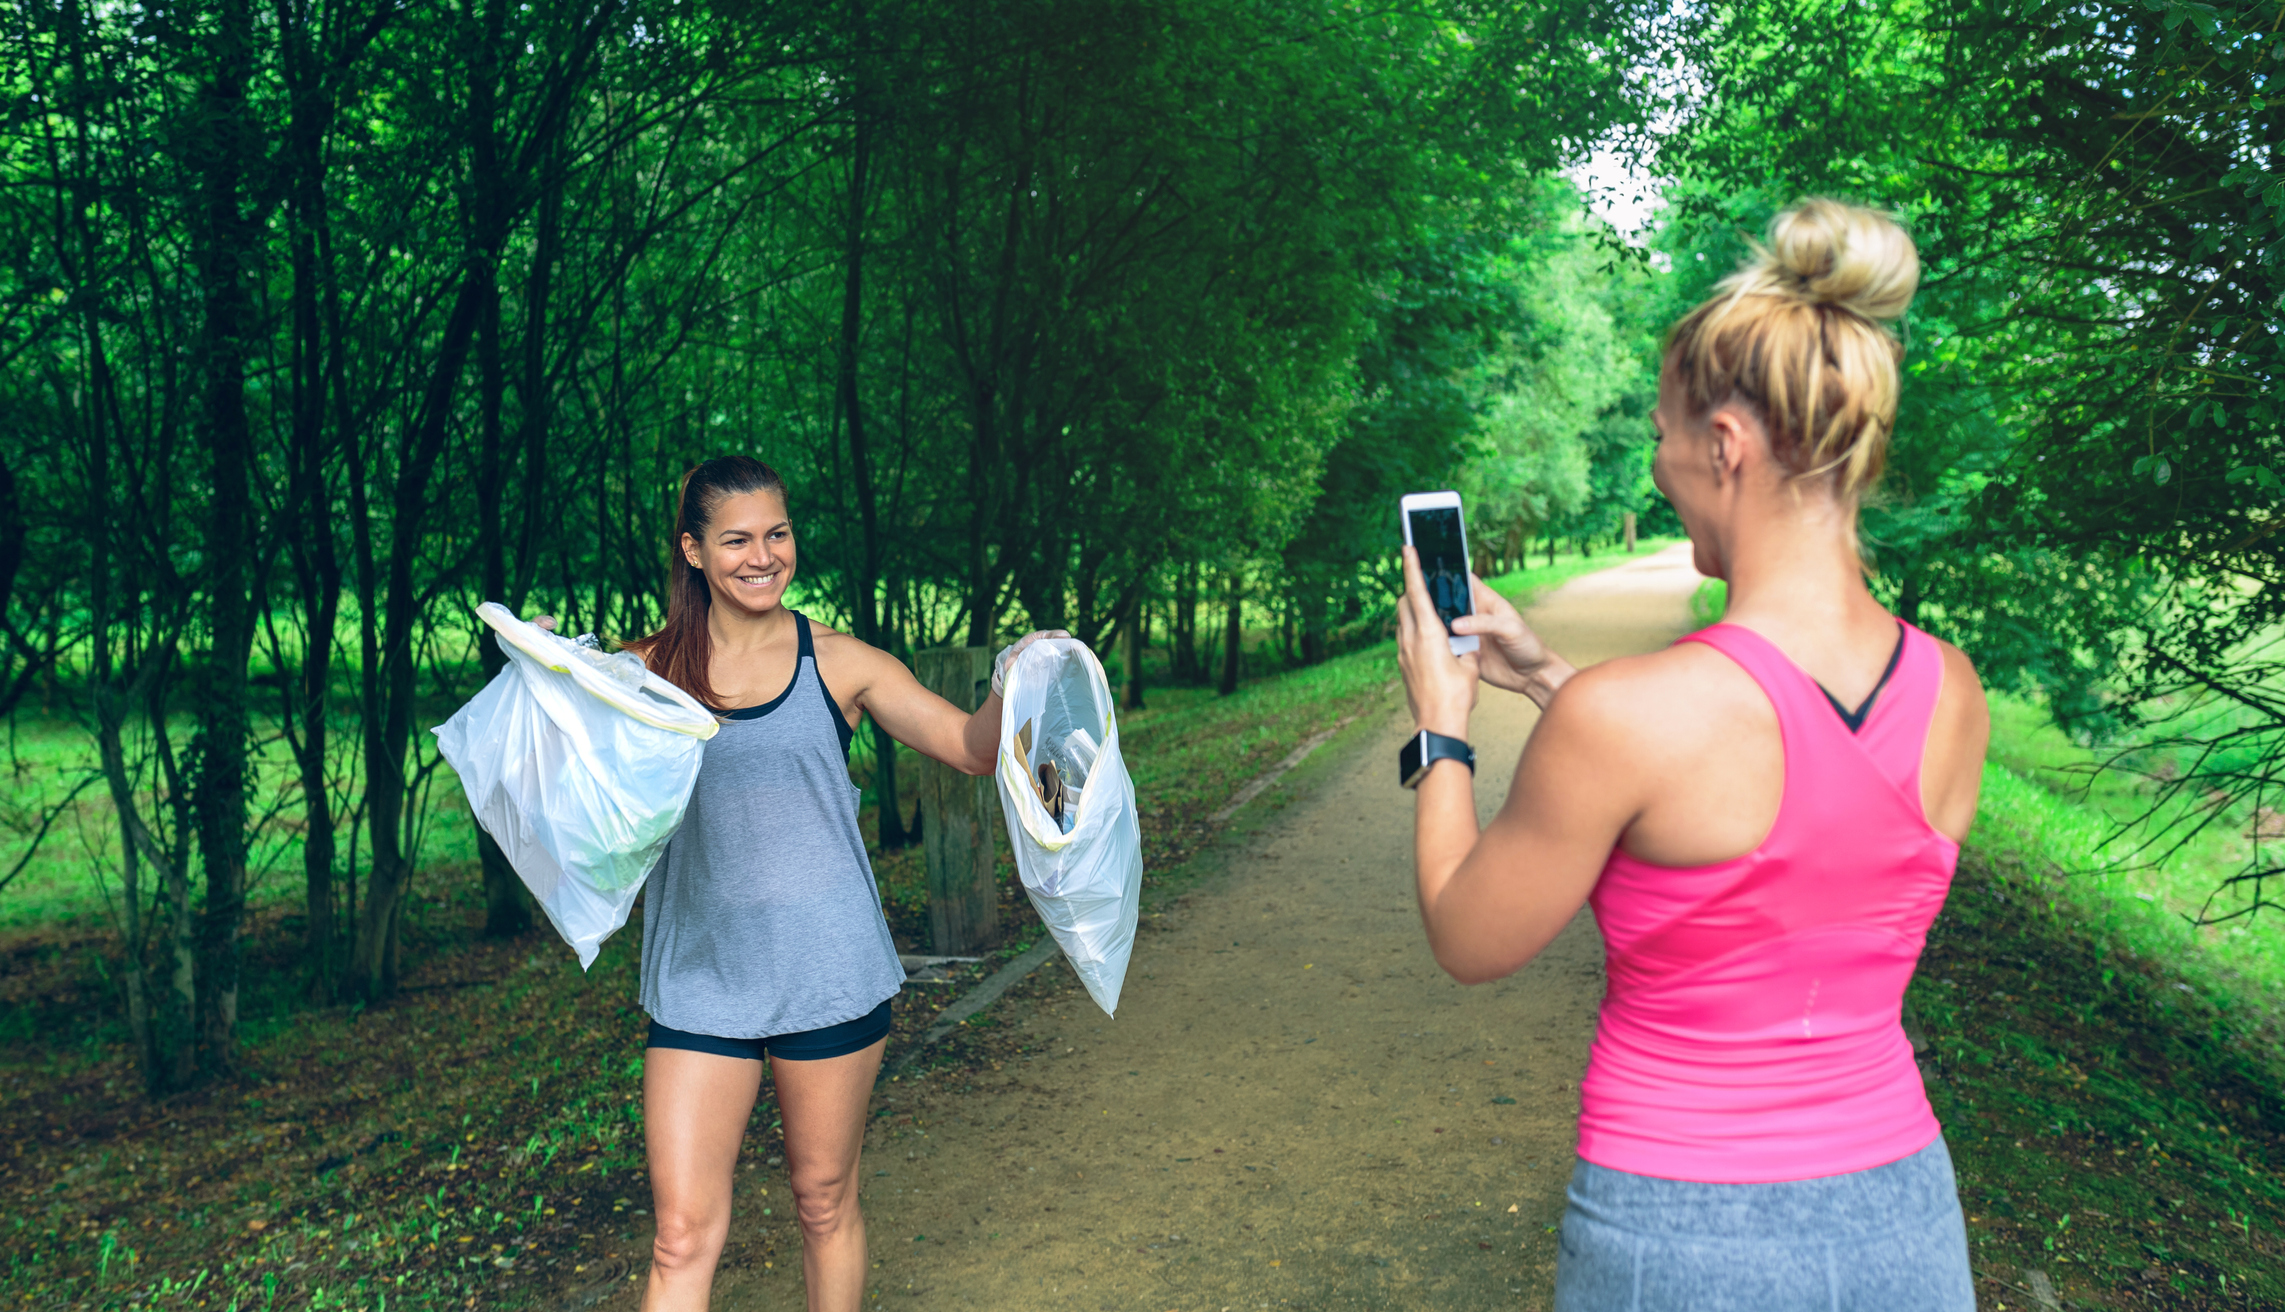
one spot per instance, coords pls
(579, 765)
(1086, 883)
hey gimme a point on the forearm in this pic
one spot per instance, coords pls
(939, 730)
(980, 736)
(1444, 831)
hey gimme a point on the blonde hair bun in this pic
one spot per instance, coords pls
(1826, 253)
(1803, 334)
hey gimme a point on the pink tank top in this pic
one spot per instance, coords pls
(1750, 1029)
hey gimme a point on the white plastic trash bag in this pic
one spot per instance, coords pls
(579, 765)
(1083, 870)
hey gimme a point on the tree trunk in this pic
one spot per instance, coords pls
(1231, 635)
(507, 906)
(535, 392)
(849, 402)
(316, 564)
(160, 1024)
(1185, 636)
(389, 714)
(225, 145)
(1137, 642)
(963, 818)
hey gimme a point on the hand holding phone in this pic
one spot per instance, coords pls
(1433, 527)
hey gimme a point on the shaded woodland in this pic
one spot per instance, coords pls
(321, 322)
(325, 321)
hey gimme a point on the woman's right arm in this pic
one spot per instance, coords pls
(1491, 900)
(1493, 904)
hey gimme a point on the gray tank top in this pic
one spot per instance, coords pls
(762, 918)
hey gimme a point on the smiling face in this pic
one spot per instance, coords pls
(747, 555)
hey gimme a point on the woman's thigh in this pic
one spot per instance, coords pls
(823, 1104)
(695, 1107)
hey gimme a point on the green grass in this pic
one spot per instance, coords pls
(73, 879)
(2045, 794)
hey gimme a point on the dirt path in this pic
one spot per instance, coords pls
(1295, 1107)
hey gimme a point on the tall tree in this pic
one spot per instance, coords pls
(226, 148)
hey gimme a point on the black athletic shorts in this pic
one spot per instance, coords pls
(807, 1045)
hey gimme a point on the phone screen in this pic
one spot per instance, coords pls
(1443, 560)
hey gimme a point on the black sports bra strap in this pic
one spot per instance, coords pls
(1855, 719)
(808, 652)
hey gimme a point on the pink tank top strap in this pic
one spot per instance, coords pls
(1894, 734)
(1796, 696)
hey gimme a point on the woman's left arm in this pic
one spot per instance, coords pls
(1492, 899)
(889, 692)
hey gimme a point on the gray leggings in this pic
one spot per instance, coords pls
(1888, 1239)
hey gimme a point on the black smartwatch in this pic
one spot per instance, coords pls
(1426, 749)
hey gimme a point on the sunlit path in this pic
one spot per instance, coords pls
(1295, 1105)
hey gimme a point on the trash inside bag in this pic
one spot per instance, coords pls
(579, 764)
(1070, 809)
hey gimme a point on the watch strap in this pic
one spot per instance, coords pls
(1425, 749)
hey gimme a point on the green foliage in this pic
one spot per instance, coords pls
(2078, 491)
(1540, 459)
(322, 324)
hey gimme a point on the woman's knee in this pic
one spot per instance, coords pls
(688, 1239)
(824, 1200)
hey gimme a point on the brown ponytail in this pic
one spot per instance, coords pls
(683, 649)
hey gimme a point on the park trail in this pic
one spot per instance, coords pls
(1294, 1108)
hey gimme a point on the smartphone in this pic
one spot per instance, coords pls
(1432, 527)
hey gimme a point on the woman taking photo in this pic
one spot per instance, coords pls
(763, 937)
(1765, 817)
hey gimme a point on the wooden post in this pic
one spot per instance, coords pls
(963, 815)
(1630, 530)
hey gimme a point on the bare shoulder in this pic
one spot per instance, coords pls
(1684, 690)
(1960, 670)
(841, 651)
(1648, 738)
(1962, 702)
(850, 662)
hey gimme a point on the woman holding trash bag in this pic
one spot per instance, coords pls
(763, 937)
(1765, 817)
